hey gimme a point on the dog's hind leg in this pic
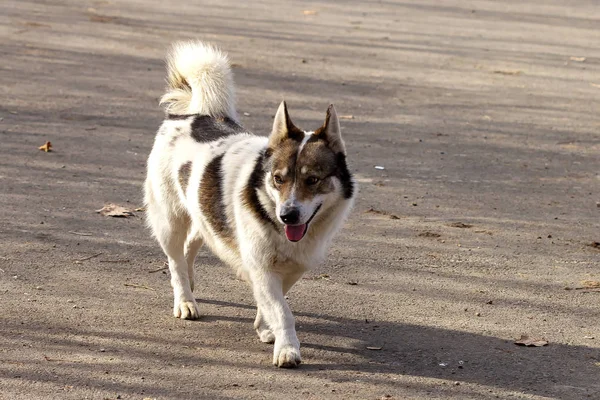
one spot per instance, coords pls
(262, 329)
(171, 234)
(192, 246)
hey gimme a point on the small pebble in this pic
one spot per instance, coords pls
(478, 314)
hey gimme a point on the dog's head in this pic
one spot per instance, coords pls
(306, 172)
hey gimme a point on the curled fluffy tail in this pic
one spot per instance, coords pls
(199, 81)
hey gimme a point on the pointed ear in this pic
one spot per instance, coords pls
(331, 132)
(283, 128)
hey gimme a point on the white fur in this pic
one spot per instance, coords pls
(263, 256)
(200, 81)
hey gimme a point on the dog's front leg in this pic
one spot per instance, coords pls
(268, 292)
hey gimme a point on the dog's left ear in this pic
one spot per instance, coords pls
(284, 128)
(331, 131)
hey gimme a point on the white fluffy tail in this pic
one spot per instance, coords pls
(199, 81)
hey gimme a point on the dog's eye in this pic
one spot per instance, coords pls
(278, 179)
(312, 180)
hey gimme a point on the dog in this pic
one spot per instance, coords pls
(267, 206)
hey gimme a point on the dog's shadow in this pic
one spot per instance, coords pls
(384, 348)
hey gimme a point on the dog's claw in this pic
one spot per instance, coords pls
(287, 357)
(186, 310)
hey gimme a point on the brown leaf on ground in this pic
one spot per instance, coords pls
(113, 210)
(428, 234)
(525, 340)
(590, 284)
(460, 225)
(46, 147)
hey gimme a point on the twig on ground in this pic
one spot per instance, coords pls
(59, 359)
(80, 233)
(87, 258)
(138, 286)
(164, 267)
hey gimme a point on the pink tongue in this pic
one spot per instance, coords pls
(295, 232)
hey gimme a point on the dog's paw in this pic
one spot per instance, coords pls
(265, 335)
(287, 357)
(186, 310)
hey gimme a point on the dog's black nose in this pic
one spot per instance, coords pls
(290, 216)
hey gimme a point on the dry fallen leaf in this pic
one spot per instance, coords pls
(113, 210)
(525, 340)
(46, 147)
(309, 12)
(591, 284)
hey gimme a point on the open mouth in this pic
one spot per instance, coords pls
(295, 233)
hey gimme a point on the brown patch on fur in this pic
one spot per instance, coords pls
(250, 193)
(210, 197)
(284, 157)
(205, 128)
(319, 162)
(183, 175)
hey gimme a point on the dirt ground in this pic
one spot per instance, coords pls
(484, 114)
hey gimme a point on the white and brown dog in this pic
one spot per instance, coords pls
(269, 207)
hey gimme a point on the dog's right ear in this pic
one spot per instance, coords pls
(284, 128)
